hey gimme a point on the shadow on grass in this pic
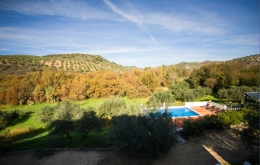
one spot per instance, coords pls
(21, 119)
(9, 139)
(40, 138)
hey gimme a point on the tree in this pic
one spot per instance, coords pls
(113, 107)
(158, 98)
(222, 93)
(64, 118)
(141, 135)
(88, 122)
(234, 93)
(45, 115)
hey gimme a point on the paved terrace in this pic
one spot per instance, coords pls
(199, 107)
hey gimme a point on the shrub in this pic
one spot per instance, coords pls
(229, 117)
(45, 114)
(113, 107)
(141, 135)
(250, 134)
(214, 122)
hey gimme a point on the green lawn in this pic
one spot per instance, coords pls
(29, 133)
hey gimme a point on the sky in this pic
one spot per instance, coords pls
(138, 33)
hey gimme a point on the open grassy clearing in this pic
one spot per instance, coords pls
(29, 133)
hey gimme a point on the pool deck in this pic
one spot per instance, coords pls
(201, 110)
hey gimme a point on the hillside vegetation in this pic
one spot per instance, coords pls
(253, 59)
(81, 63)
(47, 80)
(249, 60)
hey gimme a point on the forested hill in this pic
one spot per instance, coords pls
(251, 60)
(82, 63)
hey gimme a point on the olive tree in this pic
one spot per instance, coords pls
(158, 98)
(88, 122)
(66, 118)
(142, 135)
(113, 107)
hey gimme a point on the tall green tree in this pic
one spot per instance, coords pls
(89, 121)
(64, 118)
(159, 98)
(141, 135)
(113, 106)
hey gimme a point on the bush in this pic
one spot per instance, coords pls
(113, 107)
(229, 117)
(214, 122)
(250, 134)
(45, 114)
(141, 135)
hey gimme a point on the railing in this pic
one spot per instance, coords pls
(194, 104)
(234, 107)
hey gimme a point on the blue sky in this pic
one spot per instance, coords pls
(132, 32)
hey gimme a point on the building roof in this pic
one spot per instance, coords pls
(253, 95)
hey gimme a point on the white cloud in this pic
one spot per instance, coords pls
(245, 40)
(126, 33)
(128, 16)
(66, 8)
(133, 17)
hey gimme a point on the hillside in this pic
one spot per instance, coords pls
(82, 63)
(249, 60)
(192, 65)
(253, 59)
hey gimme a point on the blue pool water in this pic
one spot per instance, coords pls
(180, 112)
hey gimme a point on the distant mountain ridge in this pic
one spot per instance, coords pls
(83, 63)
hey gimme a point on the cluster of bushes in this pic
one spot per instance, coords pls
(235, 92)
(214, 122)
(158, 98)
(183, 92)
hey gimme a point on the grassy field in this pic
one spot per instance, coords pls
(28, 133)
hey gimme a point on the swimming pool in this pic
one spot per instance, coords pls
(177, 112)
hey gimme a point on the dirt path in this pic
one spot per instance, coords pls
(212, 148)
(62, 157)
